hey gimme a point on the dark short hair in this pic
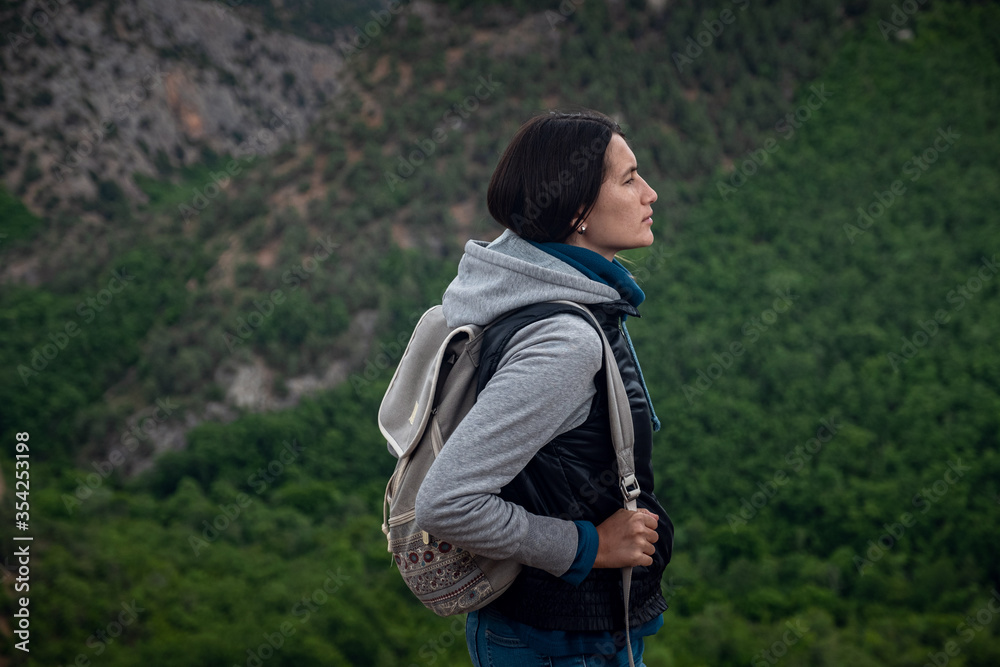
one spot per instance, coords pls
(554, 165)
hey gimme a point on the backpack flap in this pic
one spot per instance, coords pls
(408, 402)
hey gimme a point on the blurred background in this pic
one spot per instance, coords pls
(219, 221)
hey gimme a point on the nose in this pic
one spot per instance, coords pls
(651, 195)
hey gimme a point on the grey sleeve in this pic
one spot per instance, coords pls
(544, 386)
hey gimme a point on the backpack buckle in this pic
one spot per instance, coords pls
(629, 486)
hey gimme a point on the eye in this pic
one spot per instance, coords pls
(629, 181)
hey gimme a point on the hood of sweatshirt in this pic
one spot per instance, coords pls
(509, 273)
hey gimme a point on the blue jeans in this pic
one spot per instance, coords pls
(492, 643)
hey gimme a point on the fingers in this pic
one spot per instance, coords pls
(627, 538)
(650, 536)
(650, 521)
(644, 523)
(645, 555)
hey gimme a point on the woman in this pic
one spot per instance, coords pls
(530, 473)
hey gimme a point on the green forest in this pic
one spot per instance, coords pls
(819, 338)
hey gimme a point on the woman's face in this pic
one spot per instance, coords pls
(621, 216)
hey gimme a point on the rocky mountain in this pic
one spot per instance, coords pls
(96, 92)
(98, 96)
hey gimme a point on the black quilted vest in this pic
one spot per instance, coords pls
(575, 477)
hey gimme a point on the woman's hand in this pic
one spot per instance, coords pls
(626, 539)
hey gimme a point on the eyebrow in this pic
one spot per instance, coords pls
(628, 171)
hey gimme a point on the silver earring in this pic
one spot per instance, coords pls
(582, 229)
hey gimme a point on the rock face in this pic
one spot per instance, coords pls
(94, 95)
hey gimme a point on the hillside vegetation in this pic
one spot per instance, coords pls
(819, 338)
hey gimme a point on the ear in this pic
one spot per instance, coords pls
(573, 238)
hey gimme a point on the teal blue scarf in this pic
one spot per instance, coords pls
(613, 274)
(596, 267)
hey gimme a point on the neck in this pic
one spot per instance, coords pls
(580, 241)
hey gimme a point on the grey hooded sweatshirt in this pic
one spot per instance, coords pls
(543, 387)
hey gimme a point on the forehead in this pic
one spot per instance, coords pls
(619, 155)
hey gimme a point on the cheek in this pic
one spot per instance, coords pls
(614, 203)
